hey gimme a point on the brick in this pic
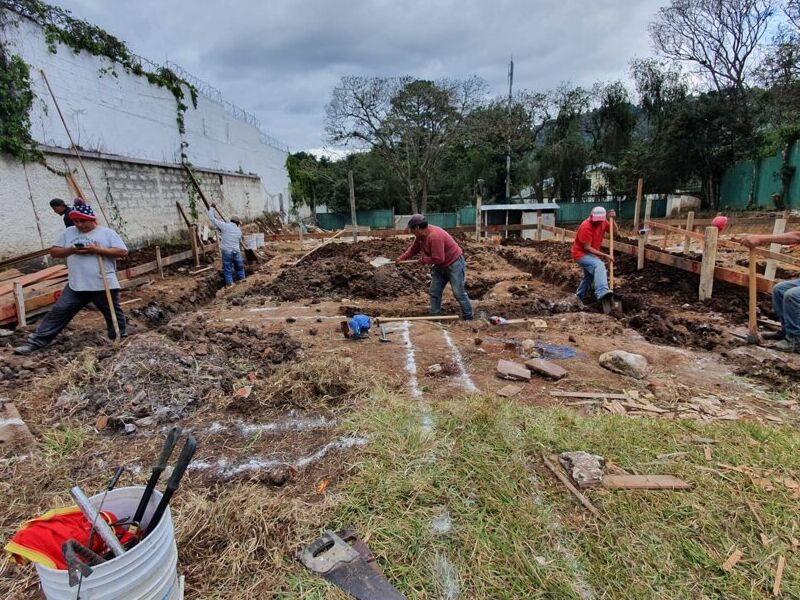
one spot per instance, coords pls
(512, 370)
(546, 368)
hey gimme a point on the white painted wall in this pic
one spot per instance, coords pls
(126, 116)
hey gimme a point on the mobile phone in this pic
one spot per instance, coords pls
(78, 245)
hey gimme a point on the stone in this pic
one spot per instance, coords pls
(145, 422)
(586, 469)
(529, 347)
(507, 369)
(434, 369)
(546, 368)
(130, 428)
(625, 363)
(509, 390)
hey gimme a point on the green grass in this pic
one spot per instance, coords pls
(64, 441)
(517, 533)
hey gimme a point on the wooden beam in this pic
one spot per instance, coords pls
(193, 237)
(752, 299)
(24, 257)
(159, 262)
(638, 206)
(709, 262)
(478, 201)
(49, 272)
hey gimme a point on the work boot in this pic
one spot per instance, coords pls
(26, 349)
(772, 335)
(786, 345)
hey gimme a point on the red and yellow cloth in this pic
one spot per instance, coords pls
(39, 540)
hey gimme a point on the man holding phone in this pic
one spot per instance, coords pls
(81, 244)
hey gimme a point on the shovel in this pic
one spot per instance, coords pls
(381, 261)
(611, 302)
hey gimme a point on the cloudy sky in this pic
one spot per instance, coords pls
(281, 59)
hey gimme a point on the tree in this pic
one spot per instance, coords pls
(718, 36)
(564, 153)
(659, 89)
(409, 123)
(611, 124)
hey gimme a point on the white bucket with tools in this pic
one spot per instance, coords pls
(148, 571)
(251, 242)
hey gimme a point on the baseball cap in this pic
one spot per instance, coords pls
(720, 221)
(598, 213)
(416, 221)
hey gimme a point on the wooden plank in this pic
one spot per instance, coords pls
(590, 395)
(8, 287)
(426, 318)
(687, 239)
(546, 368)
(315, 248)
(159, 262)
(510, 390)
(551, 465)
(645, 482)
(14, 434)
(126, 284)
(752, 298)
(8, 313)
(11, 274)
(772, 264)
(638, 207)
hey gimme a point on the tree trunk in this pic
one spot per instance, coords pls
(786, 171)
(313, 206)
(424, 200)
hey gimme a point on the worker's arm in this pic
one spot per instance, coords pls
(436, 257)
(61, 252)
(212, 216)
(589, 250)
(412, 251)
(752, 241)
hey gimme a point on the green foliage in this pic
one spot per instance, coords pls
(16, 99)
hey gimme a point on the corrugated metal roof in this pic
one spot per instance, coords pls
(534, 206)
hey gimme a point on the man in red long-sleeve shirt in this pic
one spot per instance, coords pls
(446, 258)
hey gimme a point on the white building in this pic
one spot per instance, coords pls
(128, 134)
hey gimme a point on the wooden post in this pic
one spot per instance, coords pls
(752, 323)
(648, 208)
(709, 262)
(638, 206)
(300, 231)
(352, 204)
(640, 253)
(539, 223)
(505, 233)
(478, 216)
(159, 262)
(644, 236)
(193, 239)
(777, 229)
(19, 302)
(687, 240)
(611, 252)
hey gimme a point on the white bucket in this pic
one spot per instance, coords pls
(251, 242)
(259, 240)
(148, 571)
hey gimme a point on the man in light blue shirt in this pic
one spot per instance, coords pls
(230, 236)
(81, 244)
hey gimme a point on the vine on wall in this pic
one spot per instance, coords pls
(60, 27)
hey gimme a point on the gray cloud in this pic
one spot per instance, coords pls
(281, 59)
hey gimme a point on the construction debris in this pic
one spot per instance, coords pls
(509, 390)
(776, 588)
(550, 463)
(507, 369)
(586, 469)
(731, 561)
(546, 368)
(625, 363)
(645, 482)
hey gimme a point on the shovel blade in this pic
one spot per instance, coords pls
(380, 261)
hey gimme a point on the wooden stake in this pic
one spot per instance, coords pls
(478, 216)
(709, 263)
(539, 223)
(732, 560)
(640, 252)
(573, 490)
(300, 233)
(687, 240)
(159, 262)
(611, 252)
(352, 204)
(193, 238)
(505, 233)
(776, 588)
(777, 229)
(638, 206)
(648, 208)
(752, 322)
(19, 302)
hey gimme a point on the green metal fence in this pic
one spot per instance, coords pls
(737, 183)
(575, 212)
(375, 219)
(445, 220)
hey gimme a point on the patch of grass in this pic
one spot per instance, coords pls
(517, 533)
(64, 441)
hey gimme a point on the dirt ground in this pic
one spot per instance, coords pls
(262, 375)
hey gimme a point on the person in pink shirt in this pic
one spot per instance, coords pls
(446, 258)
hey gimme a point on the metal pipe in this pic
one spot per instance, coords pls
(98, 523)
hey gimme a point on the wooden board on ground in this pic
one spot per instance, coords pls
(590, 395)
(731, 561)
(645, 482)
(510, 390)
(544, 367)
(14, 434)
(8, 286)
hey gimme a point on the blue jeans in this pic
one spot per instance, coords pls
(594, 271)
(68, 305)
(232, 259)
(456, 275)
(786, 302)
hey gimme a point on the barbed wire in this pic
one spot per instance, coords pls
(213, 94)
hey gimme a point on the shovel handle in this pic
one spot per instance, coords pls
(174, 480)
(158, 468)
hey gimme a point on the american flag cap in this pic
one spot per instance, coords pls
(82, 211)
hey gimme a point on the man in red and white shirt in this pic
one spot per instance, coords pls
(586, 252)
(446, 258)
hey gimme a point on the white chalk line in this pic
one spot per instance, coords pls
(247, 429)
(12, 421)
(229, 468)
(466, 380)
(411, 363)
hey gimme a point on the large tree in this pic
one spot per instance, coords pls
(720, 37)
(408, 122)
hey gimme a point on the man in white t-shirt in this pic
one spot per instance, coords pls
(81, 244)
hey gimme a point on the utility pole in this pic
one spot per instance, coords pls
(508, 146)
